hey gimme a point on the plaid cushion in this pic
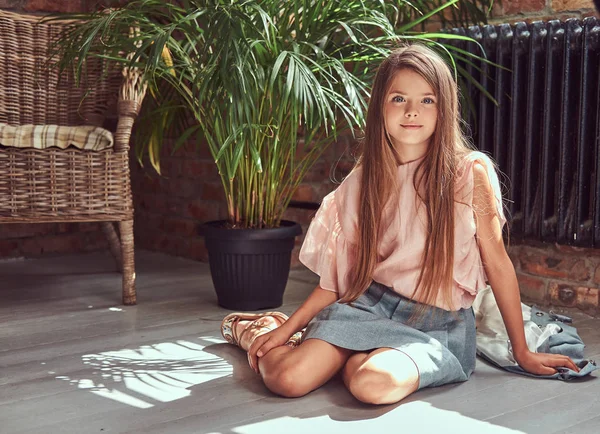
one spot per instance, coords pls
(45, 136)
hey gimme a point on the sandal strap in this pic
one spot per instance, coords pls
(239, 338)
(234, 335)
(235, 318)
(251, 326)
(295, 339)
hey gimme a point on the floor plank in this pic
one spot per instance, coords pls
(589, 426)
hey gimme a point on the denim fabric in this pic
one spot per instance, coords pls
(586, 367)
(567, 342)
(441, 343)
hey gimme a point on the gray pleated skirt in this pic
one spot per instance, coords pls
(441, 343)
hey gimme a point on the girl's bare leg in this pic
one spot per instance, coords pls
(383, 376)
(294, 372)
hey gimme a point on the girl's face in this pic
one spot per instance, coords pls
(410, 112)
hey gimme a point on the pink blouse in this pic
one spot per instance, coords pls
(331, 237)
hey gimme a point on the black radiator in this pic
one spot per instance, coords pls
(545, 131)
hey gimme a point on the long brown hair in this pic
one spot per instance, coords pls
(434, 177)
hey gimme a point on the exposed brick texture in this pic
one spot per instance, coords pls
(10, 4)
(555, 267)
(558, 275)
(53, 6)
(522, 6)
(532, 288)
(584, 298)
(541, 10)
(597, 276)
(571, 5)
(169, 208)
(30, 240)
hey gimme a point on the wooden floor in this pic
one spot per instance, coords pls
(73, 360)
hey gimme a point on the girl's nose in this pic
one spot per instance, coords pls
(411, 111)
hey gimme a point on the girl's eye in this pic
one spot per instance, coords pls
(428, 101)
(398, 98)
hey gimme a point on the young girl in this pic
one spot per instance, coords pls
(401, 247)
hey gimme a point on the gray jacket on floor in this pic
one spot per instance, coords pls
(544, 332)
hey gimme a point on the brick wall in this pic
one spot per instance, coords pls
(535, 10)
(30, 240)
(45, 6)
(169, 208)
(558, 275)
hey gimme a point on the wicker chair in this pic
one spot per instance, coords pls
(70, 185)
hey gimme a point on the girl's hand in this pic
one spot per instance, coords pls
(543, 363)
(264, 343)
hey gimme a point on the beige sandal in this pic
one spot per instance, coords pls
(228, 326)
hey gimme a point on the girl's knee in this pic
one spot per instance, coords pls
(287, 381)
(369, 386)
(280, 374)
(373, 385)
(299, 371)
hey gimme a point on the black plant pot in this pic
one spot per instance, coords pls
(249, 267)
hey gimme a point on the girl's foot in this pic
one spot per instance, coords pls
(242, 328)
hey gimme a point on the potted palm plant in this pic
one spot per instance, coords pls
(268, 84)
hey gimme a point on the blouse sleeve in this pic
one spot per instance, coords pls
(469, 273)
(494, 182)
(466, 186)
(325, 250)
